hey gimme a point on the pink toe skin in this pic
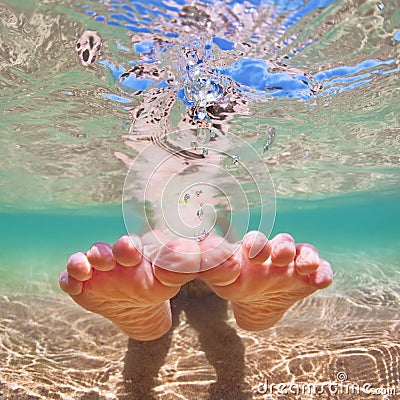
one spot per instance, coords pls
(283, 250)
(79, 267)
(256, 247)
(101, 257)
(70, 285)
(220, 265)
(307, 259)
(177, 262)
(322, 278)
(127, 250)
(172, 279)
(215, 250)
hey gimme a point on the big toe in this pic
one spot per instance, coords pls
(220, 265)
(256, 247)
(177, 262)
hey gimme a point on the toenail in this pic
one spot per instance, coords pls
(64, 277)
(256, 245)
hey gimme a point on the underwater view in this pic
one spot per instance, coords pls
(122, 116)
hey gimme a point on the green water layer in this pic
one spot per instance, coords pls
(35, 246)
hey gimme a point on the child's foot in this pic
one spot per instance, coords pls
(263, 279)
(119, 284)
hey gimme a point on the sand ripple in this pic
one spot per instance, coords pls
(51, 349)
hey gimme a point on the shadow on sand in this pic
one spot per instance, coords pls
(207, 314)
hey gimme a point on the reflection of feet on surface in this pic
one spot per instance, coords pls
(263, 279)
(119, 284)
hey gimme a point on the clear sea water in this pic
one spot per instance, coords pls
(324, 74)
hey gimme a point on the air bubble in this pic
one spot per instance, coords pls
(186, 197)
(235, 159)
(205, 152)
(200, 213)
(198, 192)
(270, 138)
(199, 237)
(194, 145)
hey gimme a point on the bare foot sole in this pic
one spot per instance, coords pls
(264, 279)
(130, 290)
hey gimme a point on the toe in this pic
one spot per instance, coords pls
(152, 241)
(323, 276)
(256, 247)
(219, 262)
(283, 250)
(307, 259)
(177, 262)
(70, 285)
(215, 250)
(101, 257)
(78, 267)
(127, 250)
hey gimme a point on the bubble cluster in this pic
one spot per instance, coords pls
(201, 236)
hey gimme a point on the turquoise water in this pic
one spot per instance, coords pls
(312, 86)
(37, 245)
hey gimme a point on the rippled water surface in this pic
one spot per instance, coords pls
(312, 86)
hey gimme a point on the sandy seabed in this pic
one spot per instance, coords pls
(50, 348)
